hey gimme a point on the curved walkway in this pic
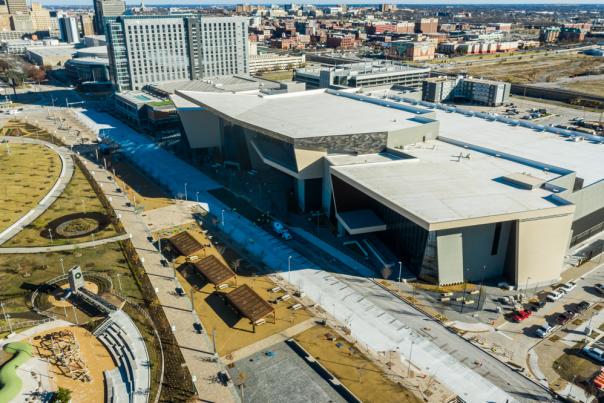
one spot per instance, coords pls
(57, 189)
(59, 248)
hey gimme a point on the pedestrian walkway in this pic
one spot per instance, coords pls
(59, 248)
(57, 189)
(269, 341)
(196, 348)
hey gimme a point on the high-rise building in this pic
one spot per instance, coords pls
(17, 6)
(40, 17)
(427, 25)
(107, 8)
(68, 26)
(153, 49)
(21, 22)
(4, 18)
(86, 24)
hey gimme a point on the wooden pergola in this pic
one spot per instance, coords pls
(250, 305)
(186, 244)
(215, 271)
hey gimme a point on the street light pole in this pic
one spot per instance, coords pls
(410, 355)
(400, 272)
(222, 217)
(289, 268)
(62, 267)
(186, 196)
(197, 197)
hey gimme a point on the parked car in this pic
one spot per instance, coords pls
(118, 190)
(224, 378)
(581, 307)
(536, 305)
(180, 292)
(594, 353)
(599, 287)
(521, 315)
(278, 227)
(554, 296)
(198, 328)
(164, 262)
(286, 235)
(544, 330)
(565, 317)
(567, 287)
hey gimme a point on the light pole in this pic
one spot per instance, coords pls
(410, 355)
(289, 269)
(197, 197)
(222, 217)
(186, 196)
(50, 234)
(6, 317)
(62, 267)
(400, 272)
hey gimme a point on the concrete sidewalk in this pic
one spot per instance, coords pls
(59, 248)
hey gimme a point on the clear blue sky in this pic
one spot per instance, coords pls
(405, 2)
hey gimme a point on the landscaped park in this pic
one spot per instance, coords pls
(54, 217)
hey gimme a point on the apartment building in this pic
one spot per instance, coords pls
(107, 8)
(68, 26)
(484, 92)
(17, 6)
(153, 49)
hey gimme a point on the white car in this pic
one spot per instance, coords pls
(554, 296)
(567, 287)
(599, 287)
(544, 330)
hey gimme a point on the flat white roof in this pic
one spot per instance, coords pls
(305, 114)
(584, 158)
(438, 187)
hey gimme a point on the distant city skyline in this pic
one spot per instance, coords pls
(407, 2)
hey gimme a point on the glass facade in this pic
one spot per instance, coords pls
(403, 237)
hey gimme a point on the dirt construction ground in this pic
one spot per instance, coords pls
(351, 367)
(536, 69)
(233, 332)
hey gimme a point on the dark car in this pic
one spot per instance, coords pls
(198, 328)
(565, 317)
(536, 305)
(224, 378)
(118, 190)
(581, 307)
(164, 262)
(180, 292)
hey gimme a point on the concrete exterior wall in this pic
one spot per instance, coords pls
(365, 143)
(413, 135)
(587, 200)
(201, 127)
(540, 249)
(476, 247)
(450, 258)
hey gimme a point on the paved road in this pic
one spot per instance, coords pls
(54, 193)
(58, 248)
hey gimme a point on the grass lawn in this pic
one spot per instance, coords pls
(22, 273)
(27, 173)
(352, 368)
(233, 332)
(286, 75)
(78, 197)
